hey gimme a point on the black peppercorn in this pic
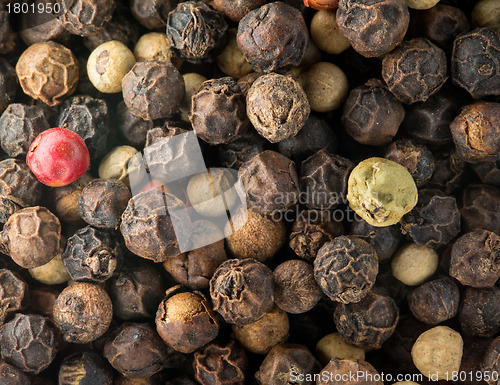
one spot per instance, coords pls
(478, 311)
(13, 293)
(491, 360)
(296, 290)
(481, 208)
(273, 37)
(92, 255)
(196, 31)
(152, 14)
(218, 111)
(488, 172)
(372, 115)
(186, 321)
(340, 369)
(132, 127)
(346, 269)
(29, 342)
(324, 180)
(153, 89)
(475, 132)
(83, 312)
(10, 375)
(242, 290)
(20, 124)
(89, 118)
(234, 154)
(435, 301)
(103, 201)
(475, 259)
(219, 364)
(416, 158)
(8, 84)
(475, 62)
(270, 181)
(369, 322)
(374, 28)
(311, 230)
(7, 35)
(83, 17)
(236, 9)
(385, 240)
(435, 220)
(85, 367)
(136, 350)
(450, 172)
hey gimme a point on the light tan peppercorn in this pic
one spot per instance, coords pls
(231, 61)
(486, 13)
(153, 46)
(53, 272)
(115, 165)
(326, 34)
(413, 264)
(333, 346)
(421, 4)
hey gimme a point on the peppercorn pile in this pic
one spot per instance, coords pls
(229, 192)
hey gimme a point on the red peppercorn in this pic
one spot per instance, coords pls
(58, 157)
(325, 5)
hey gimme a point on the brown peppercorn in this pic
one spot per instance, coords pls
(186, 321)
(196, 31)
(10, 375)
(450, 173)
(475, 132)
(374, 28)
(286, 361)
(372, 115)
(441, 24)
(48, 71)
(83, 312)
(270, 181)
(136, 350)
(491, 360)
(435, 301)
(277, 106)
(416, 158)
(242, 290)
(478, 312)
(295, 289)
(20, 124)
(8, 84)
(273, 37)
(85, 367)
(435, 220)
(385, 240)
(92, 255)
(147, 225)
(137, 290)
(132, 127)
(221, 364)
(257, 236)
(152, 14)
(236, 9)
(103, 201)
(481, 208)
(337, 369)
(488, 172)
(324, 180)
(415, 70)
(311, 230)
(153, 89)
(369, 322)
(475, 259)
(234, 154)
(429, 122)
(218, 111)
(29, 342)
(346, 269)
(13, 293)
(475, 62)
(42, 301)
(260, 336)
(31, 237)
(246, 81)
(84, 17)
(18, 188)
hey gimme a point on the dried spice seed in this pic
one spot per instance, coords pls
(373, 28)
(475, 62)
(277, 106)
(234, 154)
(231, 60)
(186, 321)
(235, 10)
(87, 366)
(491, 362)
(414, 264)
(480, 208)
(325, 31)
(83, 17)
(29, 342)
(346, 269)
(152, 14)
(48, 71)
(8, 84)
(132, 127)
(273, 37)
(10, 375)
(83, 312)
(196, 31)
(344, 368)
(242, 290)
(478, 312)
(13, 293)
(333, 346)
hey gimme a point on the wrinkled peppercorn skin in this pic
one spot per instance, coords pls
(84, 17)
(273, 37)
(475, 62)
(152, 14)
(491, 359)
(13, 292)
(10, 375)
(8, 84)
(480, 208)
(85, 368)
(478, 312)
